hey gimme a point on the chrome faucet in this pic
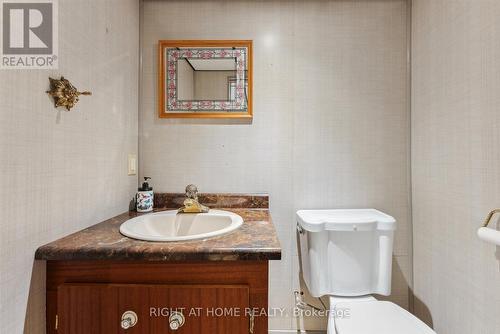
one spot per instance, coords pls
(191, 204)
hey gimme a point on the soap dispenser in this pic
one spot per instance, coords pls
(144, 198)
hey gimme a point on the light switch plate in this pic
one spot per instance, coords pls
(132, 164)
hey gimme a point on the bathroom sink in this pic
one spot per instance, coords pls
(170, 226)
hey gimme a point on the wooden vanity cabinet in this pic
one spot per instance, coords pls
(213, 297)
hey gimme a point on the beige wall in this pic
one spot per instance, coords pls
(330, 120)
(63, 171)
(455, 159)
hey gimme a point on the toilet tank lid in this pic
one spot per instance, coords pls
(345, 220)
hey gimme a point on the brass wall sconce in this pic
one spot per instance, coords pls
(64, 93)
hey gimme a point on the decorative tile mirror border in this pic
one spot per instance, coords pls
(170, 52)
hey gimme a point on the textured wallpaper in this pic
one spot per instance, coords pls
(330, 125)
(455, 158)
(63, 171)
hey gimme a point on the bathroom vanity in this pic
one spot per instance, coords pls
(99, 281)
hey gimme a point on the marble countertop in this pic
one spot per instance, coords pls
(256, 239)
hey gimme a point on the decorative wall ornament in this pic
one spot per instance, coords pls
(64, 93)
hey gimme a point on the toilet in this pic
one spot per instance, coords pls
(347, 255)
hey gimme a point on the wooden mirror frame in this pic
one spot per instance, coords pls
(164, 44)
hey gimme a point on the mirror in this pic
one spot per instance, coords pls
(205, 79)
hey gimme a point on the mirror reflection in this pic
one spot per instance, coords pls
(206, 79)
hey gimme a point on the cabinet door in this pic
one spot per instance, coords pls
(207, 309)
(98, 308)
(83, 309)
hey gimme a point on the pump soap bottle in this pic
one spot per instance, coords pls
(144, 198)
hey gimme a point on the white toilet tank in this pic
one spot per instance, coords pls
(346, 252)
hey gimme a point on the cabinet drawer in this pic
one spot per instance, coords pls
(99, 308)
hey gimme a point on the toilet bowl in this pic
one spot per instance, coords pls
(373, 317)
(347, 255)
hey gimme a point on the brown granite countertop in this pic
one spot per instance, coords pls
(256, 239)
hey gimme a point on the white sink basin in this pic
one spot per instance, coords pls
(170, 226)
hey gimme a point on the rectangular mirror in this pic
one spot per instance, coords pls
(205, 79)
